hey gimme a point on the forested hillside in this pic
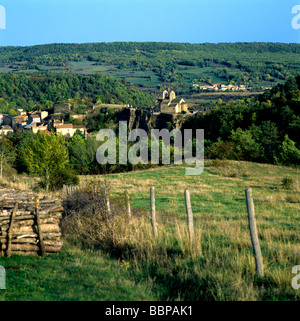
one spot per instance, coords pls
(263, 130)
(153, 65)
(42, 90)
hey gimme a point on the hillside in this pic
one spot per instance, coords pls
(151, 65)
(43, 90)
(220, 265)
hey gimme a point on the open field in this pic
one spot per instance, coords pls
(218, 266)
(222, 259)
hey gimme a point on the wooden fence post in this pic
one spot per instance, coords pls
(253, 233)
(189, 215)
(128, 205)
(95, 190)
(38, 225)
(153, 217)
(8, 251)
(106, 195)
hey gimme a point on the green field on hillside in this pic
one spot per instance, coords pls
(218, 266)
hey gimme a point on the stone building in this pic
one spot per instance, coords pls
(69, 130)
(18, 119)
(169, 104)
(5, 130)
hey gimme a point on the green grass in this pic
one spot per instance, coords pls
(74, 274)
(220, 264)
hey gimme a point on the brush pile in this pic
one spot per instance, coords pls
(29, 225)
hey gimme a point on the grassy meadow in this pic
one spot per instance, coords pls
(219, 265)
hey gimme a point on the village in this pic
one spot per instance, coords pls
(222, 87)
(230, 87)
(47, 121)
(40, 121)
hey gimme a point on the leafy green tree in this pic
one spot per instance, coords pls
(7, 154)
(246, 146)
(45, 155)
(289, 154)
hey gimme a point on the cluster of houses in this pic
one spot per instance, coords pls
(222, 87)
(38, 121)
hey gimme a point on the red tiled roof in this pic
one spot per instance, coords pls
(64, 126)
(20, 117)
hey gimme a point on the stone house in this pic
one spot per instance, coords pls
(68, 129)
(33, 118)
(18, 119)
(169, 104)
(42, 114)
(21, 112)
(5, 130)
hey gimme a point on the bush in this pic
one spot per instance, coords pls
(65, 176)
(86, 218)
(289, 154)
(287, 183)
(222, 150)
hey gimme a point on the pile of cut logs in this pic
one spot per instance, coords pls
(29, 225)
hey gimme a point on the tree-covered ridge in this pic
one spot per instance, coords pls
(264, 130)
(179, 64)
(45, 89)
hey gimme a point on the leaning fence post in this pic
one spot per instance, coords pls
(189, 214)
(107, 202)
(95, 190)
(128, 205)
(153, 218)
(253, 233)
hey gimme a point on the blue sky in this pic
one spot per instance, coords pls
(32, 22)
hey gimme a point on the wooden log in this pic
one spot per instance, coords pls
(29, 240)
(25, 253)
(10, 231)
(33, 247)
(49, 236)
(20, 216)
(53, 243)
(51, 228)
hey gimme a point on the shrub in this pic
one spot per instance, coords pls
(86, 218)
(64, 176)
(222, 150)
(287, 183)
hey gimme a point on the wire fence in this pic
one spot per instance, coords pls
(238, 197)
